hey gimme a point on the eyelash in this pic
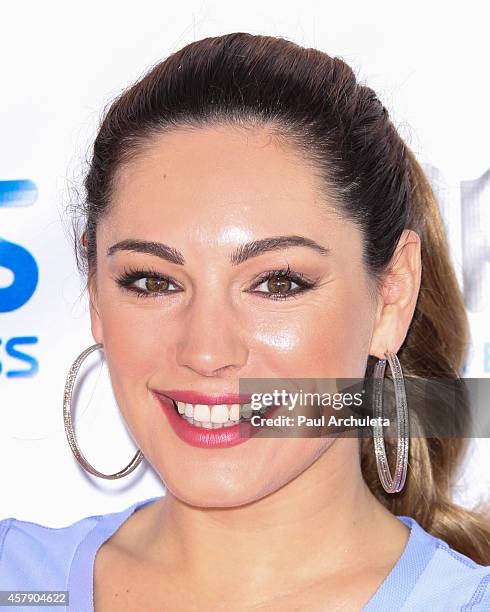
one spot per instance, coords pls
(130, 275)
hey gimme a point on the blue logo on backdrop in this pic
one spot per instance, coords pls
(22, 265)
(17, 193)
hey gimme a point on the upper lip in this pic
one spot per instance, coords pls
(195, 397)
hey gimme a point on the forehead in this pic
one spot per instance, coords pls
(218, 183)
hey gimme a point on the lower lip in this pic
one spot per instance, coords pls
(208, 438)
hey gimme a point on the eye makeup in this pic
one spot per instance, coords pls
(130, 276)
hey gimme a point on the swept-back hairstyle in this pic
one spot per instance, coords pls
(341, 129)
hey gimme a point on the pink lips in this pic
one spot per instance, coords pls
(203, 437)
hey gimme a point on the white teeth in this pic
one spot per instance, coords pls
(246, 411)
(219, 413)
(235, 412)
(214, 417)
(201, 413)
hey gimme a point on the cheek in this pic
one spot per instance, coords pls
(128, 340)
(329, 338)
(351, 335)
(135, 345)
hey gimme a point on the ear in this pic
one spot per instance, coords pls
(95, 320)
(399, 295)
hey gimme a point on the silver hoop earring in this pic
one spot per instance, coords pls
(70, 433)
(391, 485)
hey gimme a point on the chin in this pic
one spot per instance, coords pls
(211, 492)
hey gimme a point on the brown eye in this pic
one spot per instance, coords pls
(155, 284)
(146, 283)
(279, 284)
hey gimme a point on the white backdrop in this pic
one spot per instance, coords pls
(60, 64)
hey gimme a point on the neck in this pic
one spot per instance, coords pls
(320, 524)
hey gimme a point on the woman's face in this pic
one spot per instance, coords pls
(205, 193)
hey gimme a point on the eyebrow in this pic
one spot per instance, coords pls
(238, 256)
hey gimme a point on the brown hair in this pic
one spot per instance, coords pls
(343, 131)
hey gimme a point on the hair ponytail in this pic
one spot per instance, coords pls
(435, 346)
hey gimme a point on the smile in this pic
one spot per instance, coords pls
(210, 425)
(218, 415)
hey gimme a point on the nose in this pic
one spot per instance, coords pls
(212, 343)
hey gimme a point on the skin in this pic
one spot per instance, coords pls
(272, 522)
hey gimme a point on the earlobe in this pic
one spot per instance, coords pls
(385, 333)
(398, 297)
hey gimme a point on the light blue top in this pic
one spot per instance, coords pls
(429, 575)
